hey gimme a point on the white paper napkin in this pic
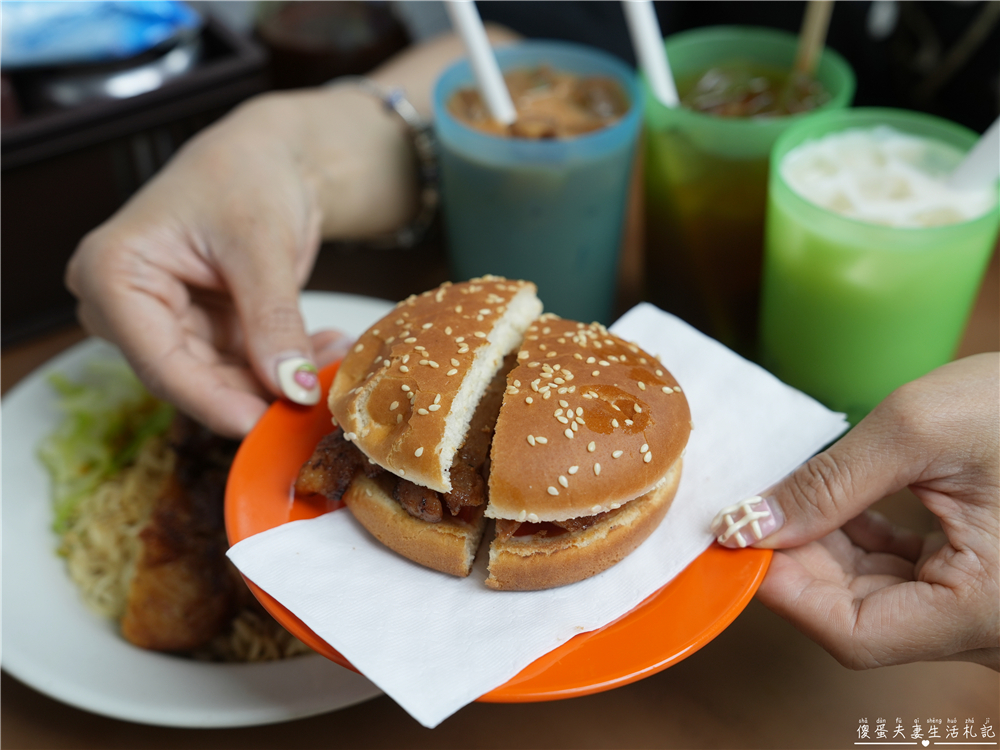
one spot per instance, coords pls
(435, 643)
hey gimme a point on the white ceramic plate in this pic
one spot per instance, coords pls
(53, 643)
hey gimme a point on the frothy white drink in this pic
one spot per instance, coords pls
(883, 176)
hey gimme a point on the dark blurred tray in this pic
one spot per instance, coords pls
(65, 172)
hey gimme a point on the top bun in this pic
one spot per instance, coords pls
(407, 391)
(589, 422)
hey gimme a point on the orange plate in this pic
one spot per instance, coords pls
(670, 625)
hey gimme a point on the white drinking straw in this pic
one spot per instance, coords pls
(648, 43)
(981, 166)
(465, 18)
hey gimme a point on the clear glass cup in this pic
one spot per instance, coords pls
(706, 184)
(851, 310)
(549, 211)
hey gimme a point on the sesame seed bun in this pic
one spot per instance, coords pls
(449, 546)
(528, 563)
(407, 391)
(594, 422)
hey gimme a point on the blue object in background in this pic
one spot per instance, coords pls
(37, 34)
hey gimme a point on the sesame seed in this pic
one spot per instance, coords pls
(638, 409)
(595, 509)
(405, 387)
(577, 355)
(434, 365)
(546, 394)
(642, 386)
(591, 446)
(591, 360)
(486, 311)
(644, 448)
(424, 362)
(479, 335)
(447, 330)
(437, 398)
(528, 400)
(410, 340)
(617, 454)
(667, 389)
(563, 420)
(404, 368)
(541, 440)
(557, 412)
(569, 434)
(628, 423)
(648, 457)
(604, 363)
(614, 423)
(433, 407)
(425, 326)
(359, 347)
(399, 418)
(463, 349)
(455, 362)
(452, 371)
(458, 308)
(522, 515)
(596, 373)
(659, 373)
(563, 481)
(532, 518)
(677, 388)
(563, 404)
(393, 406)
(402, 472)
(597, 470)
(350, 435)
(553, 491)
(419, 452)
(531, 439)
(559, 381)
(459, 339)
(406, 359)
(550, 354)
(423, 412)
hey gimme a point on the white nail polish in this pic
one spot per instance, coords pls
(745, 523)
(298, 379)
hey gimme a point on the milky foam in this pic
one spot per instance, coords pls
(883, 176)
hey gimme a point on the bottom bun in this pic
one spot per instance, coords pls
(528, 563)
(449, 546)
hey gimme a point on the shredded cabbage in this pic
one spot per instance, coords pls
(108, 416)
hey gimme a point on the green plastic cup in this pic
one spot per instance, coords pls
(706, 184)
(852, 310)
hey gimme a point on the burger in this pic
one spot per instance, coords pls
(465, 405)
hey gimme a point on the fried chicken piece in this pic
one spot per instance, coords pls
(183, 591)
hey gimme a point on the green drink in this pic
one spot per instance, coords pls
(706, 181)
(852, 309)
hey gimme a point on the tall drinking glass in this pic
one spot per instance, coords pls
(706, 183)
(850, 310)
(550, 211)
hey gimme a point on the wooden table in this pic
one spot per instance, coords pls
(760, 684)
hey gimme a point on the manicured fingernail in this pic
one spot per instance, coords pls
(747, 522)
(298, 379)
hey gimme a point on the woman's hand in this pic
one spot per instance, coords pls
(868, 592)
(197, 277)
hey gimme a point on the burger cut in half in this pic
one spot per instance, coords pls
(462, 404)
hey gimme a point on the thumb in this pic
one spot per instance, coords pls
(266, 294)
(823, 494)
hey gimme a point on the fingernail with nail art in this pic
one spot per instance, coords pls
(747, 522)
(298, 379)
